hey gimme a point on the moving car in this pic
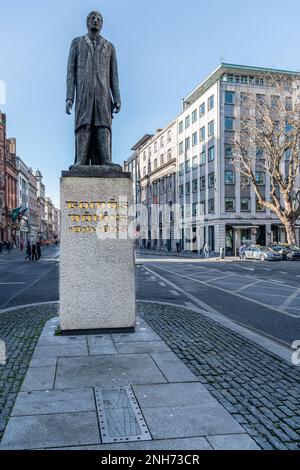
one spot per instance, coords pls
(262, 253)
(284, 250)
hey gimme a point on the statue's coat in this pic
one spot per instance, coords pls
(93, 77)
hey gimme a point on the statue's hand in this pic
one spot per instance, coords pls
(69, 106)
(117, 107)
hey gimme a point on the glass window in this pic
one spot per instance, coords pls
(259, 207)
(181, 169)
(181, 190)
(202, 134)
(162, 141)
(202, 208)
(228, 151)
(211, 102)
(194, 116)
(211, 154)
(229, 204)
(245, 204)
(202, 182)
(202, 157)
(202, 110)
(181, 148)
(194, 210)
(187, 122)
(162, 159)
(187, 166)
(187, 188)
(229, 177)
(155, 164)
(229, 124)
(144, 156)
(229, 97)
(211, 128)
(180, 127)
(155, 147)
(169, 154)
(195, 162)
(260, 178)
(195, 139)
(169, 136)
(187, 143)
(195, 186)
(211, 205)
(211, 180)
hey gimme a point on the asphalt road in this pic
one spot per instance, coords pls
(23, 282)
(263, 296)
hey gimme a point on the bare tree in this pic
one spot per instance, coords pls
(267, 147)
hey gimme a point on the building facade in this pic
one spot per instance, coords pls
(41, 195)
(10, 191)
(215, 204)
(23, 200)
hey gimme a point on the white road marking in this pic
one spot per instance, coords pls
(174, 292)
(162, 284)
(290, 299)
(271, 307)
(11, 283)
(187, 294)
(247, 286)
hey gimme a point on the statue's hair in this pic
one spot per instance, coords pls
(95, 12)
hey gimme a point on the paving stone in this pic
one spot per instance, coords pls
(142, 347)
(226, 362)
(173, 369)
(97, 371)
(54, 401)
(42, 431)
(190, 421)
(196, 443)
(101, 345)
(39, 378)
(233, 442)
(61, 350)
(178, 394)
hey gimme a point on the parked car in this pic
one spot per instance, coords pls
(262, 253)
(283, 249)
(295, 250)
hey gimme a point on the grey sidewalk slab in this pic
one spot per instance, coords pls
(172, 394)
(232, 442)
(195, 443)
(139, 335)
(101, 345)
(190, 421)
(39, 378)
(54, 401)
(56, 408)
(61, 350)
(142, 347)
(60, 340)
(42, 431)
(173, 368)
(97, 371)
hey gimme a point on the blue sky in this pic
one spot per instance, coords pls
(164, 47)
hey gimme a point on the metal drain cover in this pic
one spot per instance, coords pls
(120, 417)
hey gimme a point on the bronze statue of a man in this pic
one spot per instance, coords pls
(93, 77)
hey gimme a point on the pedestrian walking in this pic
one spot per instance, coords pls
(33, 252)
(28, 251)
(206, 250)
(38, 250)
(178, 247)
(242, 250)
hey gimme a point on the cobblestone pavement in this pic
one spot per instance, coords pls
(20, 330)
(260, 390)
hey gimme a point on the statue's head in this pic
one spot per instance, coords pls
(94, 21)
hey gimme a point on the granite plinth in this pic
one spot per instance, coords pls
(97, 287)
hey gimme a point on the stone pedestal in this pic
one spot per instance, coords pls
(97, 286)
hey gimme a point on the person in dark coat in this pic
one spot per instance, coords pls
(28, 252)
(38, 250)
(33, 252)
(93, 77)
